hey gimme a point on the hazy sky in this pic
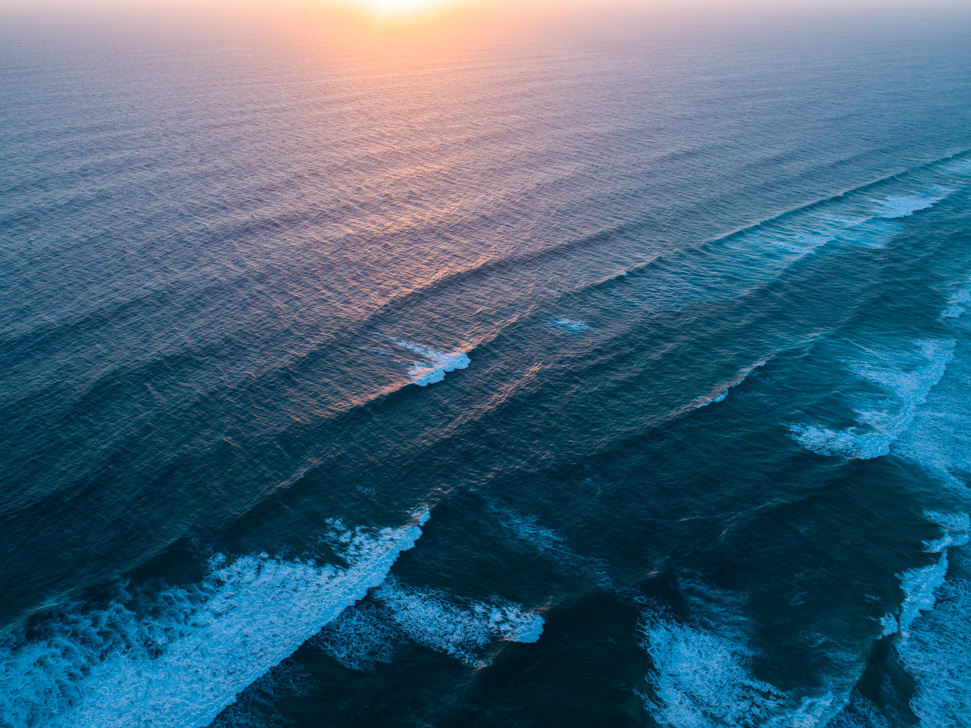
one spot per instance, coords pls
(420, 7)
(347, 23)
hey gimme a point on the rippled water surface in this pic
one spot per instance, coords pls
(615, 377)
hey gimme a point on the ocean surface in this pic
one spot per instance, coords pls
(606, 378)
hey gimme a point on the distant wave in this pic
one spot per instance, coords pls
(724, 267)
(178, 657)
(48, 333)
(867, 216)
(484, 267)
(722, 393)
(434, 364)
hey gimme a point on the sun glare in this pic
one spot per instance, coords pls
(399, 8)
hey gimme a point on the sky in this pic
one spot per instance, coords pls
(429, 8)
(349, 24)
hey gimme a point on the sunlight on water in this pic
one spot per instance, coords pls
(665, 323)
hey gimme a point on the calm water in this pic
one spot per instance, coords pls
(606, 378)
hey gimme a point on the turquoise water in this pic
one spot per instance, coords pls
(607, 378)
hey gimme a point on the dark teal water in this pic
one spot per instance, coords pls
(602, 378)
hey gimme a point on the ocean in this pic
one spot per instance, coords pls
(600, 376)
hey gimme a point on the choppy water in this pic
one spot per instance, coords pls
(688, 315)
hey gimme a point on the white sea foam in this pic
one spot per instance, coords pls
(881, 424)
(398, 613)
(846, 443)
(360, 638)
(873, 233)
(960, 165)
(877, 227)
(702, 673)
(860, 713)
(461, 628)
(957, 530)
(939, 441)
(803, 243)
(434, 364)
(702, 678)
(920, 585)
(935, 654)
(180, 656)
(889, 625)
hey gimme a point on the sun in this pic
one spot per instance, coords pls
(403, 7)
(400, 8)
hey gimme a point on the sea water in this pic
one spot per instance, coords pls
(615, 377)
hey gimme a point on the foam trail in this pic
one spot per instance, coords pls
(919, 587)
(528, 529)
(570, 325)
(434, 364)
(892, 416)
(547, 542)
(360, 638)
(933, 643)
(178, 658)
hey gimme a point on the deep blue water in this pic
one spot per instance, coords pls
(604, 378)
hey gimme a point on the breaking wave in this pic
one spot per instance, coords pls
(434, 364)
(702, 671)
(886, 417)
(723, 391)
(396, 612)
(177, 657)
